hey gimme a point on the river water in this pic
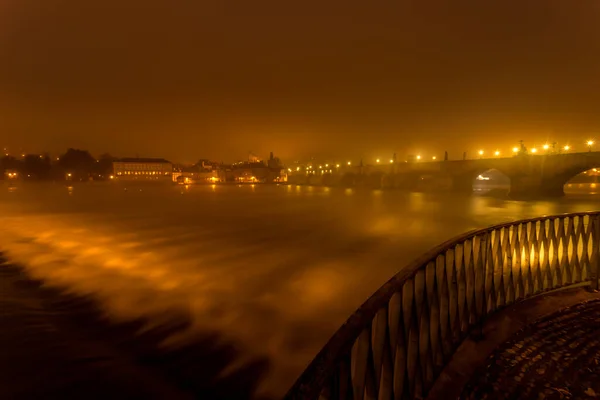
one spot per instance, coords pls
(274, 269)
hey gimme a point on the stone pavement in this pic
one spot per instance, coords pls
(557, 357)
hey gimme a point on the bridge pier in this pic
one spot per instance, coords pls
(462, 184)
(528, 188)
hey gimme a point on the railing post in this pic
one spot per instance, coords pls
(477, 331)
(595, 259)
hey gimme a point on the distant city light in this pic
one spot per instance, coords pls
(418, 157)
(515, 149)
(349, 162)
(590, 142)
(567, 147)
(433, 158)
(496, 153)
(320, 167)
(337, 165)
(327, 165)
(112, 177)
(534, 150)
(69, 175)
(546, 147)
(391, 161)
(378, 160)
(480, 152)
(297, 168)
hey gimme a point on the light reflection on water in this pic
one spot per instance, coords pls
(276, 268)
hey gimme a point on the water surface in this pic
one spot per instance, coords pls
(275, 269)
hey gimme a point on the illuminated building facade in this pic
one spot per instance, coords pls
(143, 169)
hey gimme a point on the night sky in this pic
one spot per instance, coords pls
(190, 79)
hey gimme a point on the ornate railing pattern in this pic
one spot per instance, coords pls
(398, 342)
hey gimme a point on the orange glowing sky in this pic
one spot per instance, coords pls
(340, 79)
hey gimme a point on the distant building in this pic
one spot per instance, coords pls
(143, 169)
(252, 158)
(274, 162)
(196, 174)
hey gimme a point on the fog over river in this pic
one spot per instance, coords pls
(274, 269)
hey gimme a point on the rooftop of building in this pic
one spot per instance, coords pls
(144, 160)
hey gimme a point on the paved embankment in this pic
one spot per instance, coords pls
(557, 357)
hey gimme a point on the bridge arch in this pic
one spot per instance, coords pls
(569, 175)
(398, 342)
(464, 181)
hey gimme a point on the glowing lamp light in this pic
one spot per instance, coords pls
(480, 152)
(434, 158)
(391, 161)
(418, 157)
(112, 177)
(349, 162)
(567, 147)
(337, 165)
(326, 165)
(496, 153)
(546, 147)
(534, 150)
(515, 149)
(378, 160)
(590, 142)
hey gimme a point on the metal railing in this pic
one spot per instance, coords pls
(397, 343)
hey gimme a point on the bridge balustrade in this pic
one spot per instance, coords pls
(398, 342)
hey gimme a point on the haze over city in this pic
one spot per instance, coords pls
(329, 79)
(318, 199)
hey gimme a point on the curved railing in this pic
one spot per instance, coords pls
(397, 343)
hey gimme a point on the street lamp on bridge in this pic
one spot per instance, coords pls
(497, 153)
(566, 148)
(590, 143)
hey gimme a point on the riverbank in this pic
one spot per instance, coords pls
(58, 345)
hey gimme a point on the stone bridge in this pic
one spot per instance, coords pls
(530, 175)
